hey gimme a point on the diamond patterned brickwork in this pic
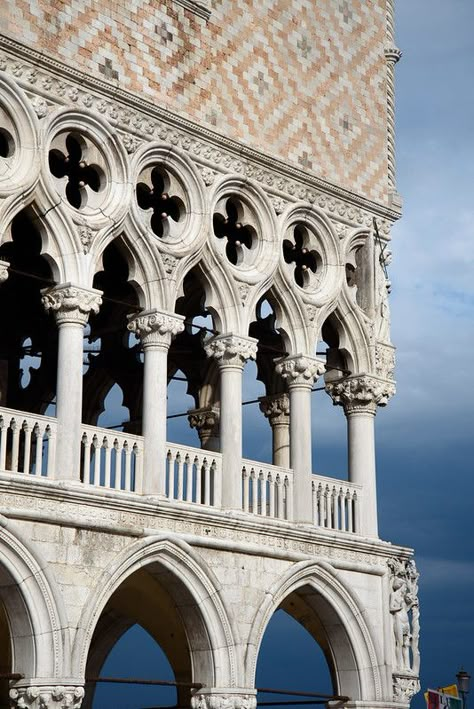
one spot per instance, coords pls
(301, 79)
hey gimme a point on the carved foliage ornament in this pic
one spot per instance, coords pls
(224, 701)
(276, 408)
(300, 370)
(404, 688)
(231, 350)
(156, 328)
(47, 697)
(71, 303)
(361, 393)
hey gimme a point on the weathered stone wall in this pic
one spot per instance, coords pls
(305, 80)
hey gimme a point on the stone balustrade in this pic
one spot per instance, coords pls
(336, 504)
(27, 443)
(267, 490)
(193, 475)
(111, 459)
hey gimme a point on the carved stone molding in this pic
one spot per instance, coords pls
(206, 421)
(223, 701)
(4, 266)
(276, 408)
(156, 328)
(385, 360)
(300, 370)
(71, 304)
(231, 350)
(360, 393)
(405, 687)
(47, 697)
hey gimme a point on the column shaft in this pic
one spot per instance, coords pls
(231, 435)
(281, 444)
(69, 400)
(155, 385)
(361, 459)
(300, 451)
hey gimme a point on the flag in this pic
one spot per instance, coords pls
(451, 689)
(437, 700)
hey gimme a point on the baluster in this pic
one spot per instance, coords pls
(350, 522)
(180, 474)
(289, 498)
(107, 463)
(25, 427)
(335, 506)
(263, 494)
(245, 485)
(280, 494)
(207, 482)
(253, 492)
(128, 467)
(115, 465)
(86, 461)
(50, 435)
(3, 443)
(314, 497)
(96, 464)
(38, 450)
(342, 498)
(327, 509)
(138, 487)
(189, 479)
(271, 502)
(355, 513)
(15, 445)
(212, 482)
(197, 468)
(174, 477)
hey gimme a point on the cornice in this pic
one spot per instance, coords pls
(277, 176)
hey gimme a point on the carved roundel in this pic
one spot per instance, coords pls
(301, 254)
(235, 224)
(79, 169)
(161, 197)
(17, 139)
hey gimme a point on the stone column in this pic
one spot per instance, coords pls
(206, 421)
(301, 373)
(231, 352)
(276, 409)
(71, 306)
(156, 329)
(46, 697)
(360, 395)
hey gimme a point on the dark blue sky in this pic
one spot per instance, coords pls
(425, 436)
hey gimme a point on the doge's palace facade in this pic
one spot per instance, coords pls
(164, 164)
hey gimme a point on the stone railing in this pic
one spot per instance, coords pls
(27, 443)
(336, 504)
(193, 475)
(267, 490)
(111, 459)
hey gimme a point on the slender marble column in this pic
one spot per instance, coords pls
(301, 373)
(71, 306)
(276, 409)
(231, 352)
(156, 329)
(360, 395)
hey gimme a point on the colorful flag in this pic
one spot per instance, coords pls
(451, 689)
(438, 700)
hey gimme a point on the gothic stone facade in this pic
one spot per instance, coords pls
(161, 163)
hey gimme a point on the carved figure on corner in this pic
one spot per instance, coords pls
(404, 610)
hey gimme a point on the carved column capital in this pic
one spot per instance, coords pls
(71, 304)
(276, 408)
(156, 328)
(206, 421)
(300, 371)
(404, 688)
(360, 393)
(392, 55)
(4, 266)
(223, 700)
(231, 350)
(50, 697)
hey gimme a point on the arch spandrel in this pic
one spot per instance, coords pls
(338, 624)
(195, 593)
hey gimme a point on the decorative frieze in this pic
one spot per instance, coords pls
(360, 393)
(231, 700)
(47, 697)
(156, 328)
(300, 370)
(231, 350)
(71, 304)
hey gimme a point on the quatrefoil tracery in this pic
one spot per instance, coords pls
(161, 192)
(299, 253)
(231, 222)
(75, 162)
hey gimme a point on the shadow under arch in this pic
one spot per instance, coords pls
(33, 607)
(168, 576)
(313, 594)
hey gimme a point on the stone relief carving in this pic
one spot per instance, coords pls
(47, 697)
(71, 303)
(405, 614)
(382, 292)
(224, 701)
(384, 360)
(404, 688)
